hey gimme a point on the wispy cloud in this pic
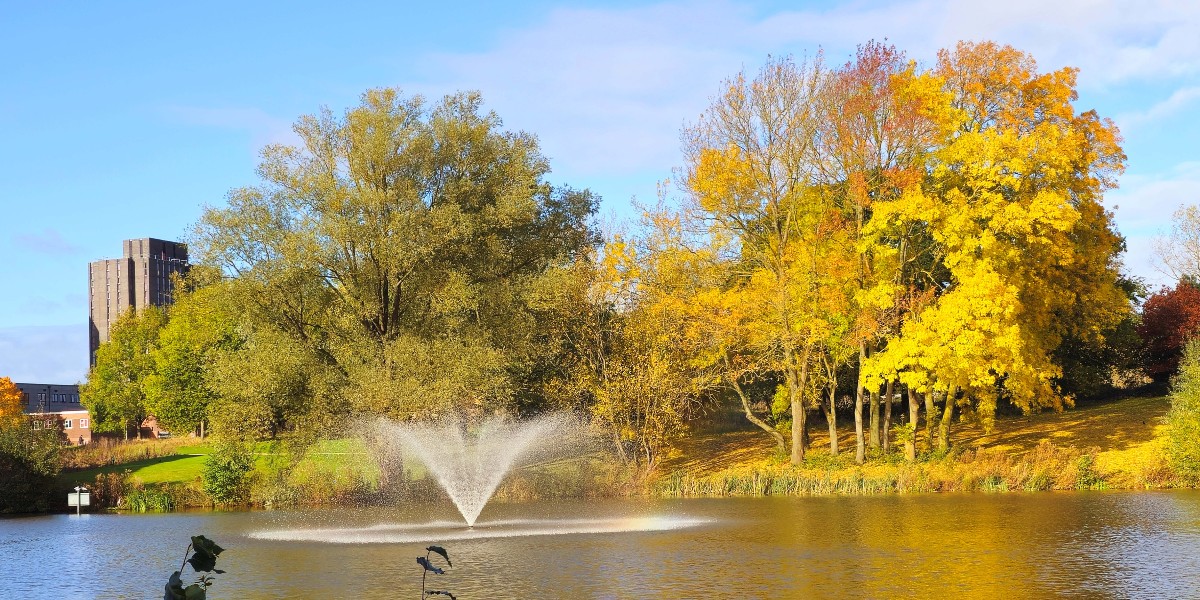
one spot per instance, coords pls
(1176, 102)
(1144, 206)
(48, 241)
(50, 354)
(263, 127)
(608, 89)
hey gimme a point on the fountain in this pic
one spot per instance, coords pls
(469, 466)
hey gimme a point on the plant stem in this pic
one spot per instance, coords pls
(185, 556)
(424, 573)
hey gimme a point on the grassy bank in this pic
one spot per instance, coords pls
(1116, 444)
(1107, 445)
(167, 474)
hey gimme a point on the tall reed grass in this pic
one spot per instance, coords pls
(1046, 467)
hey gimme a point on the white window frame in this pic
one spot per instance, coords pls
(66, 423)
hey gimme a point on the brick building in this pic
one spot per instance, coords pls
(57, 406)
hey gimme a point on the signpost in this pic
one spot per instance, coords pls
(82, 497)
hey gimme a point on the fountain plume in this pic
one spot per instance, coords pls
(471, 465)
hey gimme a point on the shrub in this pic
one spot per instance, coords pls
(28, 466)
(225, 472)
(1183, 419)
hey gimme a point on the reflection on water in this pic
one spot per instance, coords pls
(445, 531)
(1079, 544)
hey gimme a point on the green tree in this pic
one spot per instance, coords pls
(1183, 419)
(400, 246)
(179, 388)
(115, 392)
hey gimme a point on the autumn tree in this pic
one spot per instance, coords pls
(881, 119)
(645, 373)
(29, 458)
(1170, 318)
(1012, 201)
(12, 401)
(397, 248)
(751, 182)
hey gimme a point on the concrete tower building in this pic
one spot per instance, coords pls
(140, 278)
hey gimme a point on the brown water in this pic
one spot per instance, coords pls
(1078, 544)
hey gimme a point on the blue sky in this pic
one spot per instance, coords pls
(122, 120)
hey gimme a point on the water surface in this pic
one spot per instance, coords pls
(1076, 544)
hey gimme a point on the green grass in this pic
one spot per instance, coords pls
(165, 469)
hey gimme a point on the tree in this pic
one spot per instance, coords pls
(881, 119)
(1183, 419)
(28, 457)
(115, 392)
(640, 368)
(1012, 203)
(12, 401)
(1179, 251)
(179, 387)
(750, 177)
(1170, 319)
(399, 246)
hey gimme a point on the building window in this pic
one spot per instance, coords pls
(66, 424)
(37, 424)
(49, 423)
(83, 423)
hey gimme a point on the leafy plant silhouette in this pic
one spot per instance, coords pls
(203, 560)
(429, 567)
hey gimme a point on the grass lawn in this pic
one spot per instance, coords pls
(330, 460)
(1128, 432)
(174, 468)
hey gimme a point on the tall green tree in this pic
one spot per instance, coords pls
(179, 389)
(115, 392)
(399, 246)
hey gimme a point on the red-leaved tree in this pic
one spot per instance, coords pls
(1169, 319)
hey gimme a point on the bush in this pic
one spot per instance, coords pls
(28, 466)
(1183, 419)
(225, 472)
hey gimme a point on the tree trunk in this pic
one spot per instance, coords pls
(944, 427)
(831, 419)
(930, 416)
(874, 429)
(798, 423)
(774, 433)
(202, 429)
(620, 448)
(914, 407)
(860, 454)
(887, 416)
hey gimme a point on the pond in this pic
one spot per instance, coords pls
(1086, 544)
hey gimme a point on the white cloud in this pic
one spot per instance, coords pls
(44, 354)
(1176, 102)
(49, 242)
(263, 127)
(607, 90)
(1143, 208)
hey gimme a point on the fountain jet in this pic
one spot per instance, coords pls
(470, 466)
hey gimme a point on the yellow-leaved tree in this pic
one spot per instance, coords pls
(1012, 207)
